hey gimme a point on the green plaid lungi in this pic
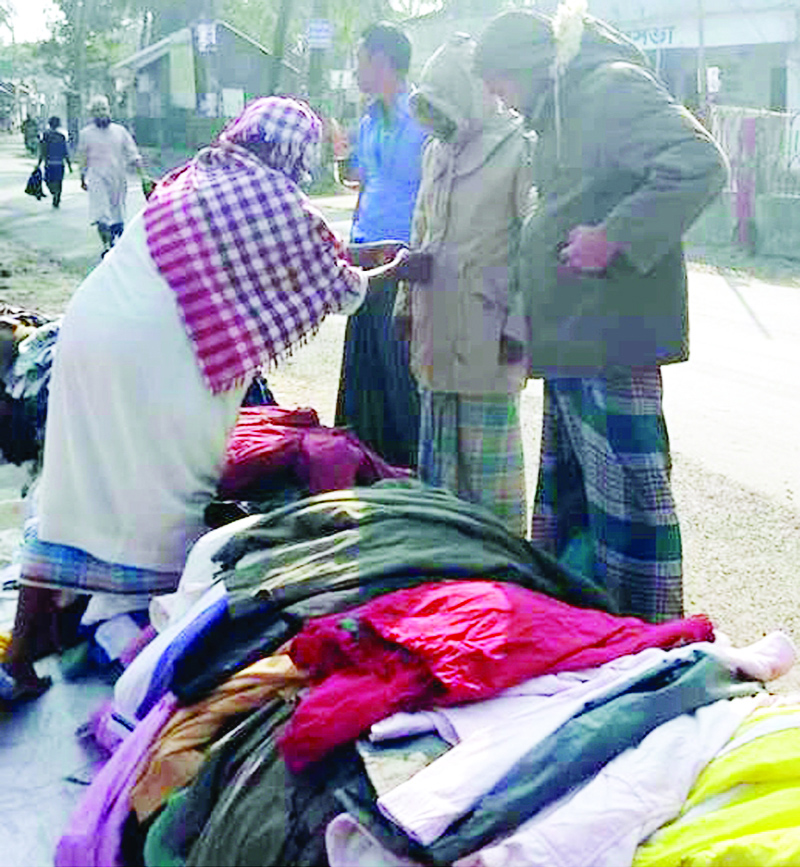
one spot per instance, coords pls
(604, 502)
(472, 446)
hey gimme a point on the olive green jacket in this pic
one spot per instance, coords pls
(622, 153)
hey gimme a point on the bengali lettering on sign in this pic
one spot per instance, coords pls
(652, 37)
(723, 29)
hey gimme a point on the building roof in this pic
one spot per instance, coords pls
(158, 49)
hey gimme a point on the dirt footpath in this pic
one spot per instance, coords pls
(34, 280)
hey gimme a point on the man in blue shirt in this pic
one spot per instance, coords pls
(377, 396)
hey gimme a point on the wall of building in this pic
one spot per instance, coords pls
(242, 65)
(183, 91)
(753, 42)
(749, 41)
(749, 75)
(150, 84)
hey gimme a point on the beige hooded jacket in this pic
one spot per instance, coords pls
(474, 193)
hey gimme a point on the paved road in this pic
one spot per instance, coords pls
(733, 412)
(65, 232)
(735, 406)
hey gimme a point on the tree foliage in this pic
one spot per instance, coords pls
(258, 19)
(94, 34)
(414, 8)
(5, 14)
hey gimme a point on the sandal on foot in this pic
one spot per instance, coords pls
(13, 692)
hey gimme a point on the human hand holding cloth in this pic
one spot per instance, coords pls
(416, 267)
(406, 264)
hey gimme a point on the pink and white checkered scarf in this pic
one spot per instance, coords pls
(253, 265)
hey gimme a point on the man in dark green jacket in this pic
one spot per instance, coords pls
(621, 170)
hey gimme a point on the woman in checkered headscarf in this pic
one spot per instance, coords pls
(225, 270)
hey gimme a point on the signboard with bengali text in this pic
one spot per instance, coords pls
(769, 26)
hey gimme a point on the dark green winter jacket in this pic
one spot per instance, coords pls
(621, 152)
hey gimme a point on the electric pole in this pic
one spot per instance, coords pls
(702, 75)
(279, 46)
(316, 55)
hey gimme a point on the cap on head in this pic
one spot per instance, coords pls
(99, 107)
(515, 40)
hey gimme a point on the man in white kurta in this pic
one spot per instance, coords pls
(107, 152)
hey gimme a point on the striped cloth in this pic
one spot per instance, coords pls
(47, 564)
(472, 446)
(253, 265)
(604, 503)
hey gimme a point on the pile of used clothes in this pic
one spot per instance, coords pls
(384, 675)
(27, 342)
(274, 457)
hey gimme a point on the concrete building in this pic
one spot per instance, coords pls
(182, 89)
(750, 48)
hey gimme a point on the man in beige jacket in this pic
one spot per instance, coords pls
(466, 341)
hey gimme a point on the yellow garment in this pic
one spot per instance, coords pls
(771, 759)
(5, 641)
(175, 757)
(744, 807)
(768, 849)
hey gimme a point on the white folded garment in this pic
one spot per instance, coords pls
(599, 824)
(350, 844)
(491, 736)
(602, 823)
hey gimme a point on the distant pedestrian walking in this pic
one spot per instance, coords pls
(107, 152)
(30, 133)
(53, 152)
